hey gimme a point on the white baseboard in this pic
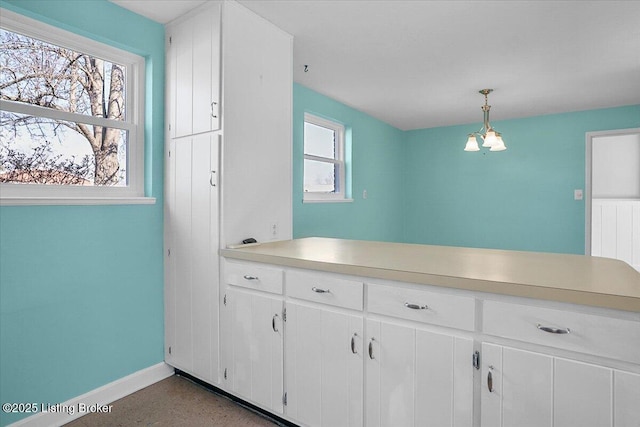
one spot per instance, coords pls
(100, 397)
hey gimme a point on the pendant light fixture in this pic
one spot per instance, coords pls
(491, 137)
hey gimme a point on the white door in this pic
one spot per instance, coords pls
(417, 378)
(516, 387)
(181, 38)
(523, 388)
(206, 70)
(613, 195)
(582, 394)
(626, 397)
(257, 336)
(195, 63)
(193, 273)
(324, 366)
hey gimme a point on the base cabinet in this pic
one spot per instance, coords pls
(523, 388)
(324, 351)
(417, 378)
(255, 343)
(333, 350)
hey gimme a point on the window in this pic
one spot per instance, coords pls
(324, 165)
(71, 115)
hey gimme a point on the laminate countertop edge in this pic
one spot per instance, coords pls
(288, 254)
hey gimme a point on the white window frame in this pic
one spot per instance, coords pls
(339, 161)
(133, 192)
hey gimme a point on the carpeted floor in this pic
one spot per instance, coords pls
(175, 401)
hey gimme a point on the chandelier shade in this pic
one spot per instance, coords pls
(490, 137)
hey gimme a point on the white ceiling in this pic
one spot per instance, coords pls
(418, 64)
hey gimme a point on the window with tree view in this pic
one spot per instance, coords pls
(69, 116)
(324, 173)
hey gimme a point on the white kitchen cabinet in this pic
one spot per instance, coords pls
(324, 368)
(523, 388)
(249, 186)
(191, 303)
(417, 378)
(194, 67)
(255, 346)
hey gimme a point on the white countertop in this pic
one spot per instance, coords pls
(577, 279)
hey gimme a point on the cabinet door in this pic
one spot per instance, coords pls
(182, 53)
(517, 387)
(417, 377)
(206, 70)
(195, 66)
(193, 272)
(533, 389)
(626, 399)
(257, 343)
(582, 394)
(324, 366)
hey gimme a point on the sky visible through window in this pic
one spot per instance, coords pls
(319, 176)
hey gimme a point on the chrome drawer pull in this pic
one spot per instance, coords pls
(321, 291)
(353, 343)
(553, 330)
(247, 277)
(416, 306)
(213, 104)
(490, 380)
(273, 322)
(371, 348)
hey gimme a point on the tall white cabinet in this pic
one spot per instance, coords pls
(192, 267)
(228, 167)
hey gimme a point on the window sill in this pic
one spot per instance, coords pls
(327, 200)
(39, 201)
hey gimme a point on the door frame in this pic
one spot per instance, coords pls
(589, 136)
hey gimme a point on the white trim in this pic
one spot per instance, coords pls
(326, 200)
(50, 113)
(68, 201)
(338, 160)
(12, 193)
(587, 180)
(100, 396)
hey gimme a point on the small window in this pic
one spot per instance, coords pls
(71, 117)
(324, 167)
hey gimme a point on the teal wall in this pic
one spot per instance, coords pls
(376, 158)
(81, 287)
(520, 199)
(423, 188)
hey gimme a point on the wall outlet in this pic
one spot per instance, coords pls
(577, 194)
(273, 230)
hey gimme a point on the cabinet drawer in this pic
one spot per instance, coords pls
(423, 306)
(254, 276)
(569, 330)
(325, 289)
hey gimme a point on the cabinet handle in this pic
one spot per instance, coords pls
(551, 330)
(213, 104)
(353, 343)
(416, 306)
(371, 348)
(321, 291)
(212, 178)
(247, 277)
(490, 380)
(273, 322)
